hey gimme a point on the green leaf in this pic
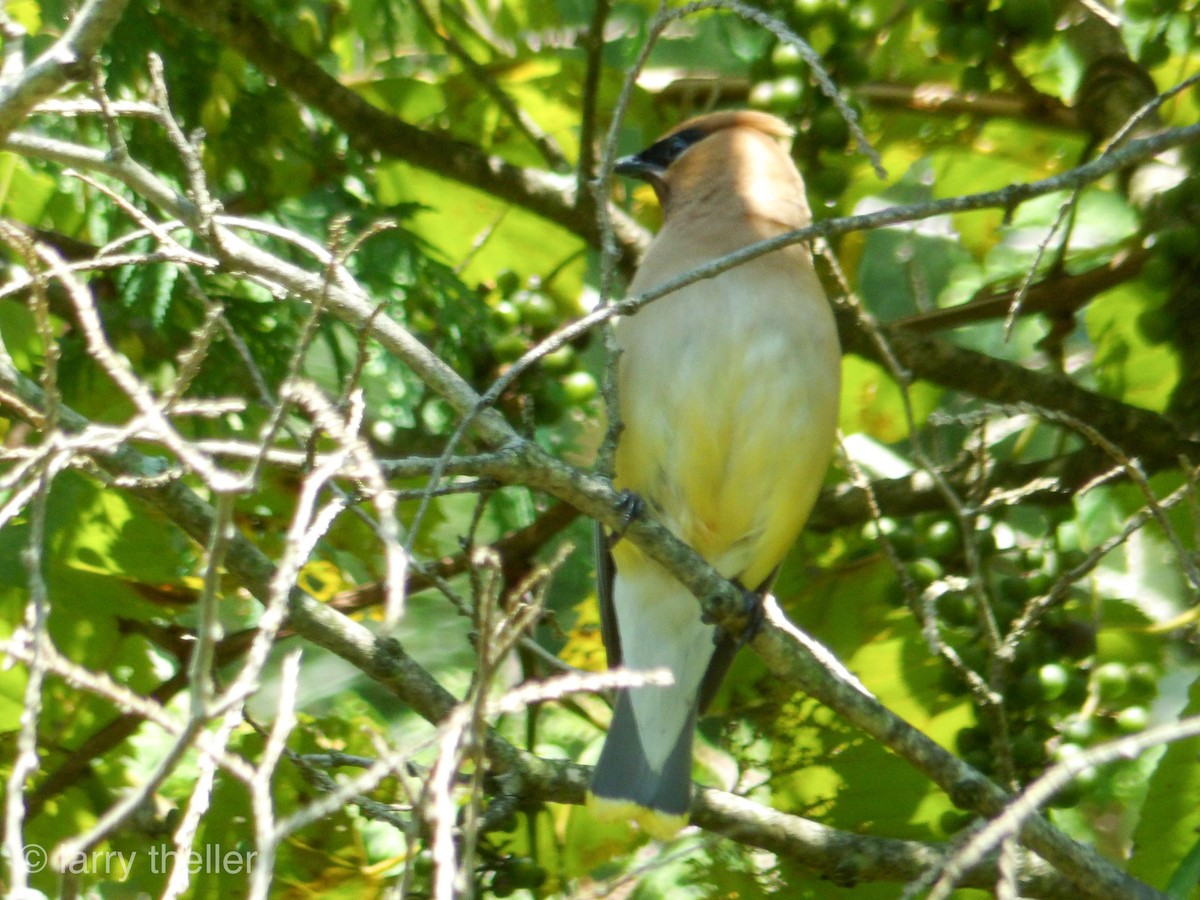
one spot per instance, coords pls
(18, 331)
(1186, 878)
(24, 192)
(862, 785)
(1165, 839)
(872, 401)
(12, 678)
(515, 239)
(1128, 365)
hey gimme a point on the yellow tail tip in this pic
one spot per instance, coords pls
(661, 826)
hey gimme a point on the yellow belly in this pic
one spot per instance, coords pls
(728, 405)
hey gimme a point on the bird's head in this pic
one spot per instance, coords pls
(712, 153)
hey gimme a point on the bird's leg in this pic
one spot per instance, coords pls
(753, 613)
(631, 507)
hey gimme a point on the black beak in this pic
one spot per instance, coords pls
(637, 166)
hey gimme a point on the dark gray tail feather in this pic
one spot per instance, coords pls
(624, 773)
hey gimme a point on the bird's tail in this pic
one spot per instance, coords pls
(626, 786)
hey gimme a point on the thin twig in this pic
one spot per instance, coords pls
(1039, 792)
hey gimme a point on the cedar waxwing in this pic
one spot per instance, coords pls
(728, 398)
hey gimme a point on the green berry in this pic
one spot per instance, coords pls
(806, 8)
(1027, 692)
(973, 739)
(904, 541)
(579, 387)
(953, 821)
(885, 527)
(1143, 680)
(985, 540)
(787, 93)
(975, 80)
(559, 361)
(1032, 557)
(507, 282)
(1034, 650)
(508, 824)
(423, 863)
(899, 535)
(509, 347)
(786, 59)
(549, 403)
(1077, 690)
(942, 538)
(505, 315)
(1053, 680)
(958, 608)
(1013, 590)
(925, 571)
(503, 883)
(1132, 719)
(1079, 730)
(526, 873)
(537, 310)
(1112, 681)
(829, 128)
(1028, 750)
(1034, 19)
(829, 181)
(762, 95)
(881, 527)
(1039, 583)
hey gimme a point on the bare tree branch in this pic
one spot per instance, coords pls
(551, 196)
(1139, 440)
(786, 653)
(66, 61)
(545, 144)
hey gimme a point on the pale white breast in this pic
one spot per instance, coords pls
(729, 402)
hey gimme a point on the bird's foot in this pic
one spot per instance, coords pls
(631, 507)
(753, 614)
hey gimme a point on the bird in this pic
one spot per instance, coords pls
(727, 396)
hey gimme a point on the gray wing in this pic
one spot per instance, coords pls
(604, 588)
(723, 653)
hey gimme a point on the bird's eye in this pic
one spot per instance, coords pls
(677, 145)
(663, 153)
(670, 149)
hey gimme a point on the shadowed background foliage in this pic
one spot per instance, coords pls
(1005, 553)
